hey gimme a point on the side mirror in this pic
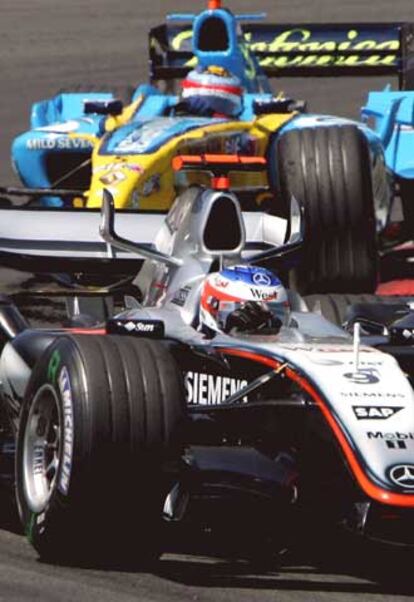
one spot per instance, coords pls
(296, 223)
(394, 321)
(279, 105)
(402, 330)
(368, 327)
(109, 235)
(103, 107)
(288, 252)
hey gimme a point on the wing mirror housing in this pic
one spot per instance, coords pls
(287, 255)
(279, 105)
(402, 330)
(393, 321)
(109, 235)
(103, 107)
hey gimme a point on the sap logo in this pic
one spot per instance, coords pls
(375, 412)
(209, 389)
(263, 295)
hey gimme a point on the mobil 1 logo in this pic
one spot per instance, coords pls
(393, 440)
(375, 412)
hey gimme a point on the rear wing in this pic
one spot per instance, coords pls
(43, 240)
(299, 50)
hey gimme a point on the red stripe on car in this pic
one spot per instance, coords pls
(371, 489)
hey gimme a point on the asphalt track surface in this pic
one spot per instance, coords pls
(49, 44)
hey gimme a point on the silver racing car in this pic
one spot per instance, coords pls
(201, 387)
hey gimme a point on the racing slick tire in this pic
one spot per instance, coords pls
(98, 448)
(327, 169)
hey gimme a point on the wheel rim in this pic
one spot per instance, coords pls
(42, 448)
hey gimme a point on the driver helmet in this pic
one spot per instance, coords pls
(217, 88)
(229, 290)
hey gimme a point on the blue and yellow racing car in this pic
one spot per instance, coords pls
(85, 141)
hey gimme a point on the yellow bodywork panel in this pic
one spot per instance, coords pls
(147, 181)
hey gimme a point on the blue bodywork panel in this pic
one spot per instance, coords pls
(61, 108)
(391, 115)
(237, 58)
(141, 137)
(52, 120)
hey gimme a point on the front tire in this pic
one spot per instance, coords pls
(327, 169)
(98, 427)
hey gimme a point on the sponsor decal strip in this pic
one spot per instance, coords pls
(353, 48)
(372, 490)
(68, 430)
(59, 143)
(98, 331)
(208, 389)
(376, 412)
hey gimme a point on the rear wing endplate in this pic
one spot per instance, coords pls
(300, 50)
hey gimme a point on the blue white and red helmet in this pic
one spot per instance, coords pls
(229, 290)
(222, 91)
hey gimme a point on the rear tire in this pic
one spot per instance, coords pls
(105, 412)
(327, 169)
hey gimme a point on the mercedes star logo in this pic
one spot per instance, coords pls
(262, 279)
(403, 475)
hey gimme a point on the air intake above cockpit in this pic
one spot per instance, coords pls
(223, 230)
